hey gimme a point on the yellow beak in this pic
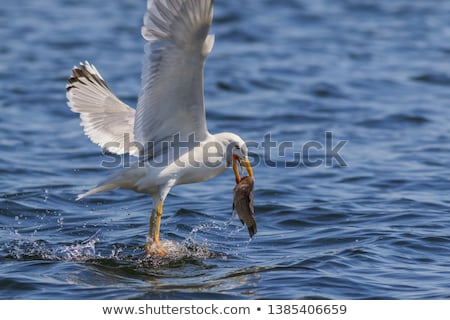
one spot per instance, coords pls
(247, 165)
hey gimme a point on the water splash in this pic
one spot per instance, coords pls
(223, 238)
(41, 250)
(76, 252)
(205, 241)
(185, 249)
(94, 250)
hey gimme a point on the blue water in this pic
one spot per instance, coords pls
(375, 74)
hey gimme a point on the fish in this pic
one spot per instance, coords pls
(243, 203)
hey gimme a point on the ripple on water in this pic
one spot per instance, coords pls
(375, 73)
(433, 78)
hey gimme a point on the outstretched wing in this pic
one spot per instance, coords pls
(107, 121)
(171, 98)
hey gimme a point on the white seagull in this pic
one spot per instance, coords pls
(167, 131)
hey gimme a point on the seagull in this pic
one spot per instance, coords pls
(167, 131)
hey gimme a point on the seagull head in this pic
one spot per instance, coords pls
(236, 153)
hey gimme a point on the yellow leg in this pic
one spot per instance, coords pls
(154, 247)
(158, 222)
(151, 230)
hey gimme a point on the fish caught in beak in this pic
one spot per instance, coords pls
(243, 204)
(243, 194)
(239, 162)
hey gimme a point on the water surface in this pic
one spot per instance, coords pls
(375, 74)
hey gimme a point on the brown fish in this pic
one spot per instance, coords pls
(243, 203)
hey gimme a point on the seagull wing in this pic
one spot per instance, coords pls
(171, 99)
(107, 121)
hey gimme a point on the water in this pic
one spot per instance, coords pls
(375, 74)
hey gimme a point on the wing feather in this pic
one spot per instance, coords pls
(107, 121)
(171, 100)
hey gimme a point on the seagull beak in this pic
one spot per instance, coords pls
(248, 167)
(236, 168)
(236, 161)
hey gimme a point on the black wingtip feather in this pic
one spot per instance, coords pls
(82, 72)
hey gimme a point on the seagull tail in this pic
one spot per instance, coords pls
(101, 188)
(124, 179)
(110, 183)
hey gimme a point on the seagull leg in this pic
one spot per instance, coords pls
(158, 227)
(153, 245)
(151, 230)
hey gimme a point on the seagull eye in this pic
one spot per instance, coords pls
(237, 147)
